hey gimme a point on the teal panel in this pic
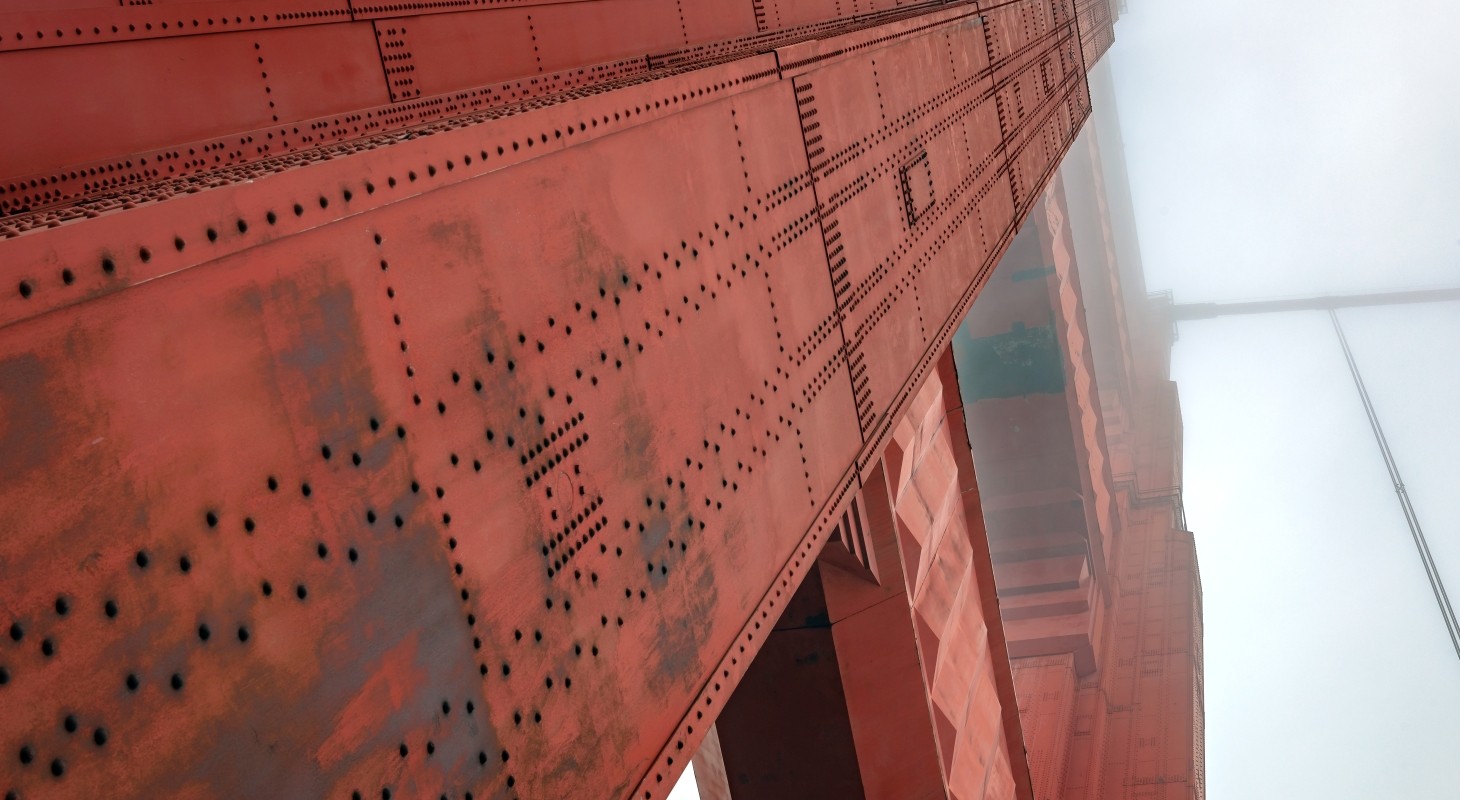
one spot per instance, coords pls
(1032, 274)
(1021, 362)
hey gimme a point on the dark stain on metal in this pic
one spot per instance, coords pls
(27, 422)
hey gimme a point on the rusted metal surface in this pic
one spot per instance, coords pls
(258, 70)
(473, 458)
(1097, 28)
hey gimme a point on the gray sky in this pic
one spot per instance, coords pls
(1283, 150)
(1277, 148)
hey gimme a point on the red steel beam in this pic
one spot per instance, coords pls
(476, 457)
(268, 92)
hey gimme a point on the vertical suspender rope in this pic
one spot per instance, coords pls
(1436, 584)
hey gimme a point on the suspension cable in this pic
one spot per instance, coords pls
(1442, 599)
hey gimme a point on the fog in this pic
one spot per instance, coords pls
(1289, 150)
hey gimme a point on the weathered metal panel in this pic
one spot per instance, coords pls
(269, 90)
(1097, 29)
(475, 457)
(144, 95)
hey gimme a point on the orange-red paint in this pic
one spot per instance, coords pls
(394, 410)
